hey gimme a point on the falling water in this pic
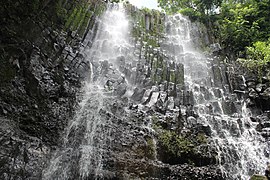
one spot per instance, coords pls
(88, 138)
(241, 149)
(88, 135)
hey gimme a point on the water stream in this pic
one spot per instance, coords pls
(88, 135)
(240, 149)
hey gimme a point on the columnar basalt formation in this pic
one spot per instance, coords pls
(118, 92)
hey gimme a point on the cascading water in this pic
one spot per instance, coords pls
(88, 135)
(112, 130)
(241, 149)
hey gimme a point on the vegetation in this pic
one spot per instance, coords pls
(175, 144)
(241, 27)
(258, 177)
(151, 148)
(258, 58)
(177, 149)
(193, 8)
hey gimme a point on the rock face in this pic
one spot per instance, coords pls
(148, 109)
(129, 124)
(41, 72)
(22, 156)
(254, 89)
(256, 93)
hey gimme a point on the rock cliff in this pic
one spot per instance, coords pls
(140, 117)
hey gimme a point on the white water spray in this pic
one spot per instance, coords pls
(87, 135)
(241, 149)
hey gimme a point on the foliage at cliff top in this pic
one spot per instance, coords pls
(193, 8)
(258, 58)
(236, 24)
(242, 24)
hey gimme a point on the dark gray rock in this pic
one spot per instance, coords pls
(266, 94)
(138, 94)
(252, 93)
(27, 152)
(215, 47)
(265, 132)
(121, 89)
(251, 83)
(260, 87)
(206, 129)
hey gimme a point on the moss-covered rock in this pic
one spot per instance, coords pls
(258, 177)
(174, 149)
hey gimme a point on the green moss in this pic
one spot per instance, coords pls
(258, 177)
(140, 151)
(174, 148)
(85, 22)
(155, 124)
(61, 12)
(147, 150)
(201, 138)
(81, 14)
(174, 144)
(78, 18)
(151, 37)
(71, 18)
(99, 9)
(151, 148)
(172, 76)
(7, 72)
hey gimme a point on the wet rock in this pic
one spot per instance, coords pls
(191, 122)
(260, 87)
(27, 152)
(259, 127)
(234, 129)
(265, 132)
(252, 93)
(251, 83)
(206, 129)
(152, 99)
(200, 173)
(105, 67)
(138, 94)
(188, 98)
(147, 83)
(121, 89)
(254, 119)
(266, 94)
(170, 103)
(217, 76)
(120, 61)
(229, 107)
(215, 47)
(216, 107)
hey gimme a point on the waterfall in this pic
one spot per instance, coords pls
(131, 88)
(241, 149)
(89, 133)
